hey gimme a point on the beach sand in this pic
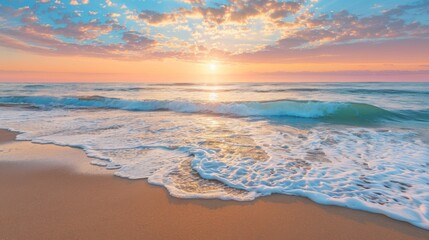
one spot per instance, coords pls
(52, 192)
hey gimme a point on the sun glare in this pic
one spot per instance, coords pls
(212, 66)
(213, 96)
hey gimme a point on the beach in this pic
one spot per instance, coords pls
(218, 119)
(52, 192)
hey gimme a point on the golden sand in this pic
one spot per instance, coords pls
(51, 192)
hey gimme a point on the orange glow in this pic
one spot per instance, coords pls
(20, 66)
(212, 42)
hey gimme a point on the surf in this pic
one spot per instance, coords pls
(339, 111)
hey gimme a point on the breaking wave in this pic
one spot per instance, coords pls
(340, 111)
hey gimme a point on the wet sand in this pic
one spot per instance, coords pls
(52, 192)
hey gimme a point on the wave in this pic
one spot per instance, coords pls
(36, 86)
(421, 115)
(277, 90)
(230, 87)
(121, 89)
(290, 90)
(382, 91)
(174, 84)
(346, 90)
(338, 111)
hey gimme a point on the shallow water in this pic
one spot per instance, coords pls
(359, 145)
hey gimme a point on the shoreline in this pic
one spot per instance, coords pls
(53, 192)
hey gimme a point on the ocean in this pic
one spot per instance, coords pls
(358, 145)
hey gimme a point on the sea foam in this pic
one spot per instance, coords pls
(382, 170)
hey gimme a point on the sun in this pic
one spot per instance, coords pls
(212, 66)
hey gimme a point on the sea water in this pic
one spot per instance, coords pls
(358, 145)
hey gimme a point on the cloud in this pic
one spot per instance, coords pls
(218, 25)
(236, 11)
(236, 30)
(109, 3)
(197, 2)
(76, 2)
(113, 15)
(155, 18)
(46, 39)
(135, 46)
(325, 35)
(404, 50)
(344, 26)
(136, 41)
(78, 31)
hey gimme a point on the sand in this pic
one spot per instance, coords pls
(51, 192)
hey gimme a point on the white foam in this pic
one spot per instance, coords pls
(376, 170)
(384, 172)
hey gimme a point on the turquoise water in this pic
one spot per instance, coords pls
(358, 145)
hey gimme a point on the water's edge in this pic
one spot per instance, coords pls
(354, 207)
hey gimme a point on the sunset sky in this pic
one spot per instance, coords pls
(214, 40)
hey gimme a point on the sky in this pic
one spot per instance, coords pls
(213, 40)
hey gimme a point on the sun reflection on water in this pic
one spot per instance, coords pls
(213, 96)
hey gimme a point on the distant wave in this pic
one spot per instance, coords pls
(336, 111)
(277, 90)
(121, 89)
(174, 84)
(383, 91)
(335, 90)
(289, 90)
(231, 87)
(31, 86)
